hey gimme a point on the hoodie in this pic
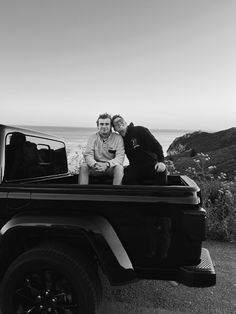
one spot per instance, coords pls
(141, 147)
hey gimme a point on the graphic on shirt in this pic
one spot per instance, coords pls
(134, 142)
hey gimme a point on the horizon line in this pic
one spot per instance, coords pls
(90, 127)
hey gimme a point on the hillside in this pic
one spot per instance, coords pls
(220, 146)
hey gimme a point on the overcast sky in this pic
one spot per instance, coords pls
(160, 63)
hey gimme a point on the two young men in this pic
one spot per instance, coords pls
(105, 152)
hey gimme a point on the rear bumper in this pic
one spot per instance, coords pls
(201, 275)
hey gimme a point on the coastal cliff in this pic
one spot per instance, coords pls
(219, 146)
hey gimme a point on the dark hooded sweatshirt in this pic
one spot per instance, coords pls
(141, 147)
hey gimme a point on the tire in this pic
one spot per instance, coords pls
(50, 280)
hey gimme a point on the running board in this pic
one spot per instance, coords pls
(201, 275)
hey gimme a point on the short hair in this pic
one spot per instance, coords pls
(103, 116)
(115, 117)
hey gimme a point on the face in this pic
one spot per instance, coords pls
(120, 125)
(104, 126)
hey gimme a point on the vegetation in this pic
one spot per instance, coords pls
(224, 160)
(220, 146)
(218, 195)
(203, 141)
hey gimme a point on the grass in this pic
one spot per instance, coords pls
(152, 297)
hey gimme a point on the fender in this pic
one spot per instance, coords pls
(99, 232)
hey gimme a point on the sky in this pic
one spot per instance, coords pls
(165, 64)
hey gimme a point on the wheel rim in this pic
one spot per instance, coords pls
(46, 291)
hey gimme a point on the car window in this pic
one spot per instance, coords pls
(31, 156)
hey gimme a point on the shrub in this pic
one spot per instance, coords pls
(75, 159)
(218, 194)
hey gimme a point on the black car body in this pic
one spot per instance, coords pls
(111, 227)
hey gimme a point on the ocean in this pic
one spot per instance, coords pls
(77, 136)
(76, 139)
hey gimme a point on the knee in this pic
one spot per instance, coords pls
(161, 178)
(83, 174)
(118, 174)
(84, 169)
(119, 169)
(130, 176)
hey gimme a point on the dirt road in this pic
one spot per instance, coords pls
(151, 297)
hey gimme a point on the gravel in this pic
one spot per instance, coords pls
(162, 297)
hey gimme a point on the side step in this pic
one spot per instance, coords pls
(201, 275)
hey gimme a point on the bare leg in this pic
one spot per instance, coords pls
(118, 173)
(84, 174)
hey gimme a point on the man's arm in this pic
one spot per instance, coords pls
(120, 153)
(89, 151)
(155, 146)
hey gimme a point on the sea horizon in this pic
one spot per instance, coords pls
(78, 136)
(94, 128)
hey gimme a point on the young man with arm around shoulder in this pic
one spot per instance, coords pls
(144, 152)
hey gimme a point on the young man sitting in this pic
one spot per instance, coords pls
(144, 152)
(104, 153)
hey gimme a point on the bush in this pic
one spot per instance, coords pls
(218, 195)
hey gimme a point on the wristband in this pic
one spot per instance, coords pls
(108, 164)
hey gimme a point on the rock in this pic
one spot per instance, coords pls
(220, 146)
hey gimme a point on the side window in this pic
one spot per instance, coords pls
(30, 156)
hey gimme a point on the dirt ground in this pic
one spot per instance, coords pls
(151, 297)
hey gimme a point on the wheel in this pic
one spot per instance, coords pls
(49, 280)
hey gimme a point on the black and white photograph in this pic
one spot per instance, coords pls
(117, 157)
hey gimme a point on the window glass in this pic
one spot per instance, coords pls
(31, 156)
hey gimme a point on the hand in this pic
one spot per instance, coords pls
(95, 166)
(160, 167)
(100, 166)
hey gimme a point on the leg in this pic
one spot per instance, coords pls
(84, 174)
(118, 173)
(130, 176)
(161, 178)
(148, 172)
